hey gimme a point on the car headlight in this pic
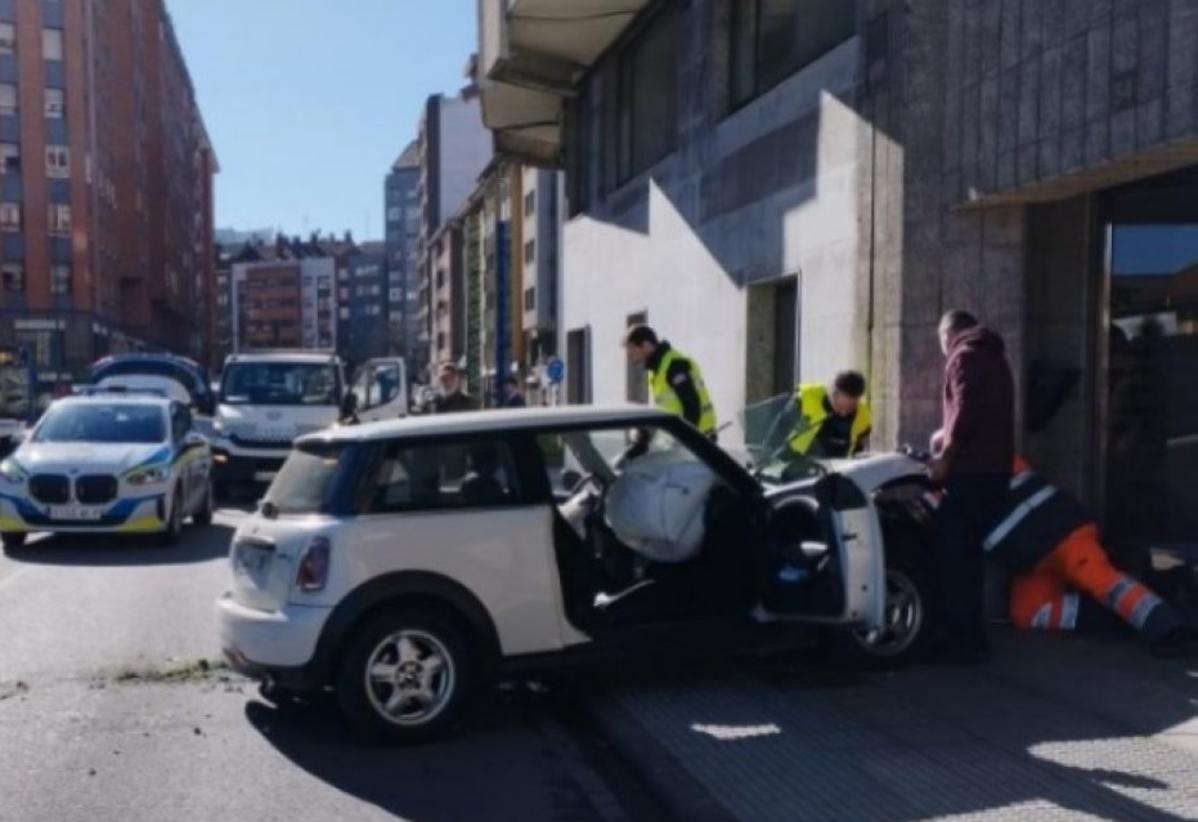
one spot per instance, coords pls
(149, 475)
(218, 427)
(11, 471)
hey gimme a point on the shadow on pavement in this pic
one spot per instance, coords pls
(1052, 724)
(104, 550)
(504, 763)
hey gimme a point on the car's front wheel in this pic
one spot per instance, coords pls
(13, 540)
(174, 523)
(203, 515)
(406, 675)
(906, 621)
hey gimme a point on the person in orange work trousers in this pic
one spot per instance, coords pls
(1050, 544)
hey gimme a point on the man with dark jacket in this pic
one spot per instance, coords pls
(453, 396)
(974, 451)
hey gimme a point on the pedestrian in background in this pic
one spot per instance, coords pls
(973, 455)
(513, 393)
(452, 396)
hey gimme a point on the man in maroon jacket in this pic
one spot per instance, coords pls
(973, 456)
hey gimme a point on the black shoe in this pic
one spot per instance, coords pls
(1179, 642)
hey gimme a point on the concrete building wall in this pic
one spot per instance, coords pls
(749, 196)
(465, 151)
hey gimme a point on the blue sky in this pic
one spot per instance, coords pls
(308, 102)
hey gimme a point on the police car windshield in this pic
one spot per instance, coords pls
(279, 383)
(94, 422)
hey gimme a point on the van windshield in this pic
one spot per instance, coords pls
(279, 383)
(306, 482)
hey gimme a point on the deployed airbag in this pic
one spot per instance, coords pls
(656, 506)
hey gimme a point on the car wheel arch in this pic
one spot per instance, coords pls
(416, 589)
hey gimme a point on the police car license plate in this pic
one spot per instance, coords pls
(76, 513)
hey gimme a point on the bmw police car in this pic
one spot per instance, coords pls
(107, 462)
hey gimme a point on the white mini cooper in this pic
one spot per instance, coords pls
(107, 462)
(403, 563)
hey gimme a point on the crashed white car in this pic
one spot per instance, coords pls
(107, 463)
(403, 562)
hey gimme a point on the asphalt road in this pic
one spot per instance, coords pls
(108, 711)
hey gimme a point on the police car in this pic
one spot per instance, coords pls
(107, 462)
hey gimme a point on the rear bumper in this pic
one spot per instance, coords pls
(278, 645)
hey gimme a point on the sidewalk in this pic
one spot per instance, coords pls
(1054, 727)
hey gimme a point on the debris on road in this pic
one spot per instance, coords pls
(9, 690)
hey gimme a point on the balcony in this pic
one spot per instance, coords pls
(531, 53)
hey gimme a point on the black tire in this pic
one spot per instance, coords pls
(374, 644)
(203, 516)
(13, 540)
(174, 527)
(908, 605)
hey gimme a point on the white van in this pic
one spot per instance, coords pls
(268, 398)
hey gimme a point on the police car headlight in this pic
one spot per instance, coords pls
(150, 475)
(11, 472)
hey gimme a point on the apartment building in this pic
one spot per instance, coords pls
(106, 239)
(363, 304)
(454, 147)
(282, 295)
(401, 204)
(790, 188)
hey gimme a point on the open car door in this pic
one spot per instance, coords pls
(381, 386)
(822, 557)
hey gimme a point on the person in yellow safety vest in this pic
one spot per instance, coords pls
(675, 381)
(835, 423)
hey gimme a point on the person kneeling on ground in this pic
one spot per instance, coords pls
(1050, 544)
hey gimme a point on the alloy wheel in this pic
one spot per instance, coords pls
(903, 616)
(410, 677)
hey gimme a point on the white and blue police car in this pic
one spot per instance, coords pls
(107, 462)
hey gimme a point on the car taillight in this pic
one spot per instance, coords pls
(313, 570)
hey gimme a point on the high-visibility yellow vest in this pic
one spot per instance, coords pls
(665, 398)
(813, 411)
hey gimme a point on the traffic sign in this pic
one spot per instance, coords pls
(555, 369)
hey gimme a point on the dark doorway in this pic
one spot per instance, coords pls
(1152, 337)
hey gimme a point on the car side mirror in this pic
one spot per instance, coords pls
(194, 439)
(570, 480)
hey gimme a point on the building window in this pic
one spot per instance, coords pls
(60, 279)
(60, 219)
(51, 44)
(56, 104)
(10, 216)
(8, 99)
(343, 313)
(8, 38)
(10, 158)
(646, 97)
(58, 164)
(772, 39)
(14, 276)
(530, 252)
(530, 203)
(530, 299)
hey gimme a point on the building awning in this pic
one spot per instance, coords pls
(531, 54)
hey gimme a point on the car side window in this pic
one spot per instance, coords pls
(384, 385)
(180, 422)
(431, 477)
